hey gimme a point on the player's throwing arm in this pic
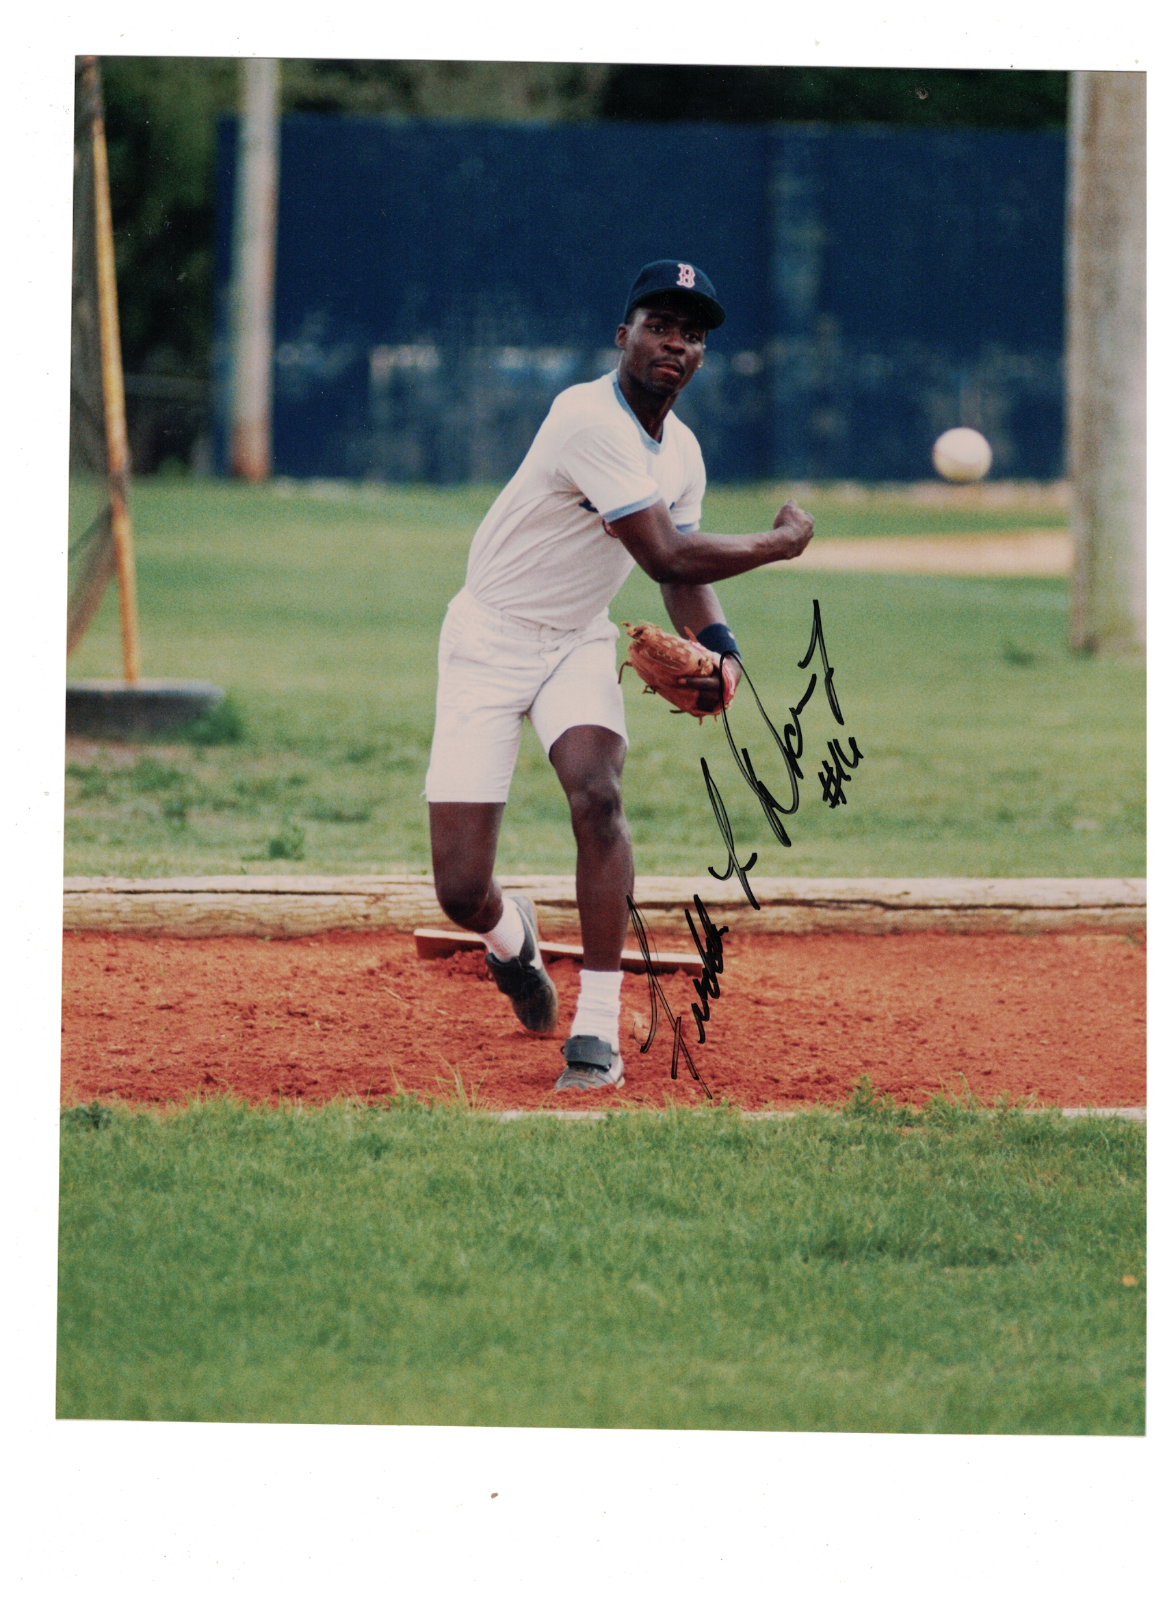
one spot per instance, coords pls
(673, 558)
(684, 565)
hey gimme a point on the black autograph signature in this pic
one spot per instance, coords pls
(790, 744)
(706, 987)
(833, 775)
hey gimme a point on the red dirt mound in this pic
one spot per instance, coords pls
(1060, 1017)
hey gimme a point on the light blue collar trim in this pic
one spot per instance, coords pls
(651, 444)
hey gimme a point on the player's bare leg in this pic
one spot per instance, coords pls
(588, 761)
(464, 847)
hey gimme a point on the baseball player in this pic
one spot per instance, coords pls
(612, 478)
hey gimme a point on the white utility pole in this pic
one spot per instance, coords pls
(1107, 358)
(256, 192)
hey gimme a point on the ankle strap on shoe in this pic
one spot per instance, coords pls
(587, 1050)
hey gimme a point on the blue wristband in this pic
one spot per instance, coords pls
(718, 637)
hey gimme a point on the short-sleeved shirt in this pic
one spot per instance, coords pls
(543, 552)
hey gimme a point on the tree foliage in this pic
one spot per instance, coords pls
(161, 116)
(938, 99)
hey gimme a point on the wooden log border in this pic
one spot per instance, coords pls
(288, 907)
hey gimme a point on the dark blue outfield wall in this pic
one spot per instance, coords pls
(439, 283)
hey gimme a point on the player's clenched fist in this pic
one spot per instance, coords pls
(795, 529)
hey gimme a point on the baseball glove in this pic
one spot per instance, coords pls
(662, 660)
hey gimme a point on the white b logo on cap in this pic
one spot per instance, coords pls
(686, 276)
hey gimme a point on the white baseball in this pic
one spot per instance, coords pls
(962, 455)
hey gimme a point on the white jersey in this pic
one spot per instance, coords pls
(542, 553)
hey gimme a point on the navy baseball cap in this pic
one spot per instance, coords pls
(676, 277)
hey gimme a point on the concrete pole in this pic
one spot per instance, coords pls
(253, 271)
(1106, 273)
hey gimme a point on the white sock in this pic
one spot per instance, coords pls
(506, 939)
(599, 1005)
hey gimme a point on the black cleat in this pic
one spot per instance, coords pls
(590, 1063)
(524, 978)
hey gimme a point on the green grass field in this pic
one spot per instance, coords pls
(945, 1271)
(989, 749)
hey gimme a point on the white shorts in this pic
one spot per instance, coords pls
(495, 670)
